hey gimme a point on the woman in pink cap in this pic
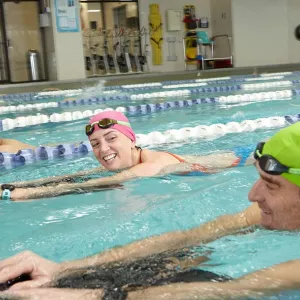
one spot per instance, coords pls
(114, 146)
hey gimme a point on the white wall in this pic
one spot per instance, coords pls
(68, 51)
(263, 32)
(260, 34)
(202, 10)
(221, 24)
(293, 14)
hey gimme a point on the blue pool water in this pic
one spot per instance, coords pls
(75, 226)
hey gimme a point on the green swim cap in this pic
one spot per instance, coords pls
(285, 147)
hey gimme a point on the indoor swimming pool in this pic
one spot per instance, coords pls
(74, 226)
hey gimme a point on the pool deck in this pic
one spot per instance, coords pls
(136, 78)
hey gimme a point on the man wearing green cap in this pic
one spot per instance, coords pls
(276, 197)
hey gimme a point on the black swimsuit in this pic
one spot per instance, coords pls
(125, 276)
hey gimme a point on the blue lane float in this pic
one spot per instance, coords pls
(215, 89)
(252, 97)
(23, 97)
(102, 99)
(20, 97)
(94, 100)
(292, 118)
(123, 97)
(97, 99)
(151, 108)
(28, 156)
(8, 124)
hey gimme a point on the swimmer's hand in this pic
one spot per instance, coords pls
(40, 270)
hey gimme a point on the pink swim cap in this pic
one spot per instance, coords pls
(115, 115)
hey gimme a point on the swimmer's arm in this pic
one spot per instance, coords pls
(221, 226)
(57, 179)
(141, 170)
(53, 293)
(220, 160)
(285, 276)
(266, 282)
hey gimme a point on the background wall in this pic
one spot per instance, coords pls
(68, 51)
(260, 32)
(202, 10)
(293, 16)
(221, 24)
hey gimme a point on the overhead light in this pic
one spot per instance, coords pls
(94, 10)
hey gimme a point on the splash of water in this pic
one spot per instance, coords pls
(238, 115)
(91, 91)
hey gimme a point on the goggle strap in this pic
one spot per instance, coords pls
(258, 153)
(124, 123)
(294, 171)
(118, 122)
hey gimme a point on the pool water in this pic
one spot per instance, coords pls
(74, 226)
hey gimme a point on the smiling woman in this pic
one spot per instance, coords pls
(114, 145)
(113, 141)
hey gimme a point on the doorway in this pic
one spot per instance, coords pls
(20, 33)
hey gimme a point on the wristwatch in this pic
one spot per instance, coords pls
(6, 190)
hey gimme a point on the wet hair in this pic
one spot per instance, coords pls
(119, 278)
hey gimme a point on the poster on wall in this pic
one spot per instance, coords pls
(66, 16)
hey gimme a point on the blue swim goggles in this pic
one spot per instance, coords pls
(6, 190)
